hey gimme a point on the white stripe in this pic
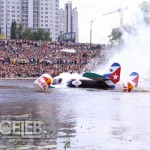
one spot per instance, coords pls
(109, 82)
(132, 77)
(113, 68)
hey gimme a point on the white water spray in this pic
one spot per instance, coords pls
(135, 56)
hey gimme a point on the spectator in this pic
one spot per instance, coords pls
(32, 58)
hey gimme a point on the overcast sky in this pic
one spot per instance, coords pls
(102, 25)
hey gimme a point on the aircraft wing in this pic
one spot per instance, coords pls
(51, 86)
(95, 76)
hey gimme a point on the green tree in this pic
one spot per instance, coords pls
(20, 31)
(40, 34)
(47, 36)
(13, 30)
(115, 36)
(27, 35)
(35, 36)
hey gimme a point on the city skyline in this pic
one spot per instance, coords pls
(35, 14)
(32, 14)
(93, 25)
(68, 23)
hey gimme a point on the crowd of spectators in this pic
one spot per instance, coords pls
(20, 58)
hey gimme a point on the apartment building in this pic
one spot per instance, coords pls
(68, 20)
(32, 14)
(9, 11)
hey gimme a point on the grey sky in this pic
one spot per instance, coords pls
(101, 27)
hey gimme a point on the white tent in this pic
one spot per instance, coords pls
(68, 50)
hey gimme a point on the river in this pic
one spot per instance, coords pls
(75, 118)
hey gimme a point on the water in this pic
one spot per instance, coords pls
(89, 119)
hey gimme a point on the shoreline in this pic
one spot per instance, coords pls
(19, 78)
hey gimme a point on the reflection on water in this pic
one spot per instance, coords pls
(20, 102)
(81, 118)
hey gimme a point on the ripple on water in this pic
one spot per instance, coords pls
(87, 118)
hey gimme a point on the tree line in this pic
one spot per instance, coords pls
(18, 32)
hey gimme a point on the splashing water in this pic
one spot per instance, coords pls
(67, 76)
(135, 54)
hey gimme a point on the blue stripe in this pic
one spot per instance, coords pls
(106, 75)
(111, 86)
(115, 64)
(134, 74)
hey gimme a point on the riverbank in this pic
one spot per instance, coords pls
(19, 78)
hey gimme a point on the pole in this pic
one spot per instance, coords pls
(71, 27)
(91, 32)
(6, 25)
(6, 31)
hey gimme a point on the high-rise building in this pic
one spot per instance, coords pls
(32, 14)
(68, 20)
(9, 11)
